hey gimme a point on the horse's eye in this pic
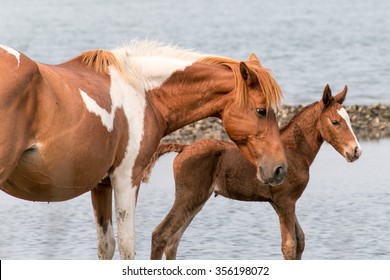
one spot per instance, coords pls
(261, 112)
(336, 123)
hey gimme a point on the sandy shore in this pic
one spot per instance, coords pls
(370, 122)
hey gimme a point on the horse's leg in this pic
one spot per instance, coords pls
(300, 239)
(125, 196)
(194, 176)
(173, 244)
(102, 206)
(286, 213)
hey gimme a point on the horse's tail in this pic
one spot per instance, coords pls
(161, 150)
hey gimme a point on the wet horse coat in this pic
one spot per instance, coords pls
(209, 166)
(92, 123)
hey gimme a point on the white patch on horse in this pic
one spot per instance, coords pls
(343, 113)
(148, 64)
(155, 70)
(107, 118)
(15, 53)
(133, 103)
(106, 242)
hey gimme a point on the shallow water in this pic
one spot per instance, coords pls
(345, 209)
(344, 213)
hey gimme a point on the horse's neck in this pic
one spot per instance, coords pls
(301, 135)
(187, 96)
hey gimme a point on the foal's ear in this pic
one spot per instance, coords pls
(340, 97)
(247, 74)
(253, 57)
(327, 97)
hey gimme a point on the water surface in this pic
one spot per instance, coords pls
(306, 43)
(344, 213)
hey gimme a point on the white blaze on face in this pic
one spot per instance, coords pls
(15, 53)
(343, 113)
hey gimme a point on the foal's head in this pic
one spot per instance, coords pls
(335, 126)
(251, 123)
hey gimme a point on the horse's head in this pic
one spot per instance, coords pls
(335, 126)
(250, 121)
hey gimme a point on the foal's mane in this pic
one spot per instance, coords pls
(101, 60)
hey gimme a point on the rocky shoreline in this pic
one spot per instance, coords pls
(369, 122)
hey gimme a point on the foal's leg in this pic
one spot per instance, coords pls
(286, 215)
(300, 239)
(194, 172)
(102, 206)
(169, 231)
(173, 244)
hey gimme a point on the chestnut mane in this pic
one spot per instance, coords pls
(268, 85)
(101, 60)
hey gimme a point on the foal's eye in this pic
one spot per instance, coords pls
(261, 112)
(336, 123)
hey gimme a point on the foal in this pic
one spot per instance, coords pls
(212, 165)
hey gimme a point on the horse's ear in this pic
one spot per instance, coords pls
(327, 97)
(340, 97)
(253, 57)
(247, 74)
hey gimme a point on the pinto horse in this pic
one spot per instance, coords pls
(209, 166)
(93, 123)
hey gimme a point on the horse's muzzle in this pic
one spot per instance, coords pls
(351, 157)
(277, 177)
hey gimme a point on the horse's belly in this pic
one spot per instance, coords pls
(33, 179)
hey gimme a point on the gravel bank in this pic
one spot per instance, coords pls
(369, 123)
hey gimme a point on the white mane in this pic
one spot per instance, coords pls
(147, 64)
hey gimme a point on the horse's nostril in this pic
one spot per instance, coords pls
(358, 152)
(279, 173)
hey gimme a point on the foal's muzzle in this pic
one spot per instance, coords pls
(354, 155)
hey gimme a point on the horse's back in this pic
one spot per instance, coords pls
(204, 152)
(197, 163)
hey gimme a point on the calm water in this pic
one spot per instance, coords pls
(306, 43)
(344, 212)
(346, 208)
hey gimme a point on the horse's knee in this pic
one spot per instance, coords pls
(289, 249)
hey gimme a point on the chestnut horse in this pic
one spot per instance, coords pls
(209, 166)
(93, 123)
